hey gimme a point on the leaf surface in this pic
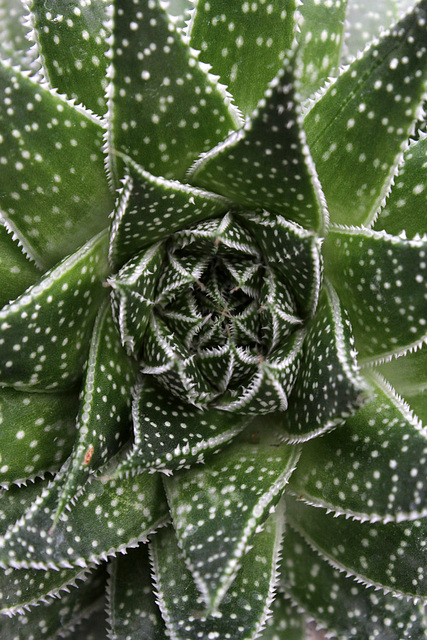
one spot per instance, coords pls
(107, 518)
(249, 598)
(104, 418)
(382, 282)
(319, 42)
(244, 42)
(267, 164)
(72, 39)
(133, 611)
(169, 433)
(44, 333)
(347, 608)
(328, 388)
(357, 130)
(391, 556)
(374, 466)
(17, 272)
(53, 166)
(164, 108)
(37, 431)
(149, 208)
(217, 508)
(404, 209)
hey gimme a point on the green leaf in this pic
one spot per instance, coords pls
(92, 625)
(404, 210)
(17, 272)
(408, 375)
(108, 517)
(373, 467)
(44, 333)
(285, 618)
(328, 388)
(381, 280)
(150, 208)
(169, 433)
(249, 598)
(244, 42)
(133, 612)
(45, 622)
(293, 253)
(215, 534)
(390, 556)
(366, 20)
(357, 130)
(54, 190)
(319, 42)
(23, 588)
(16, 500)
(348, 609)
(72, 40)
(104, 418)
(164, 108)
(267, 164)
(14, 44)
(133, 295)
(37, 431)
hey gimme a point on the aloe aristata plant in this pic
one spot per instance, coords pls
(212, 345)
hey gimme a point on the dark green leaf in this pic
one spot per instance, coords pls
(319, 42)
(149, 209)
(103, 421)
(372, 467)
(348, 609)
(72, 39)
(108, 517)
(405, 207)
(54, 190)
(244, 42)
(17, 272)
(133, 612)
(169, 433)
(37, 431)
(44, 334)
(358, 128)
(328, 388)
(248, 599)
(382, 282)
(215, 534)
(164, 107)
(285, 623)
(391, 556)
(46, 621)
(267, 163)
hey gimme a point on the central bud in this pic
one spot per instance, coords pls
(212, 317)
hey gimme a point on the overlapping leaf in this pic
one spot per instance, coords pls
(379, 94)
(101, 522)
(164, 107)
(17, 272)
(328, 388)
(373, 467)
(267, 163)
(213, 533)
(340, 604)
(249, 597)
(150, 208)
(387, 304)
(52, 164)
(44, 333)
(37, 432)
(244, 42)
(72, 40)
(389, 555)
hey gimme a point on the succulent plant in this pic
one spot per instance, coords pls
(213, 341)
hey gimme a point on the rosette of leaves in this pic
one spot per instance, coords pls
(212, 344)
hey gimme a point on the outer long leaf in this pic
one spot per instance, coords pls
(17, 272)
(53, 164)
(380, 94)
